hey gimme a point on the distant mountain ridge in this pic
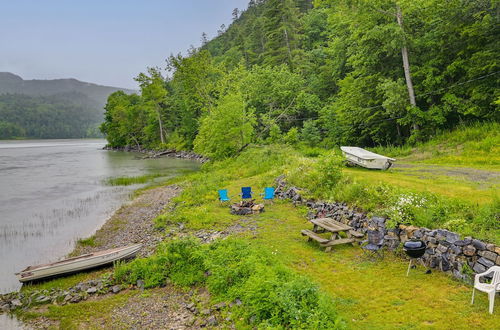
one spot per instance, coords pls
(58, 108)
(13, 84)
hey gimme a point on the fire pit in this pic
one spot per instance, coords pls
(246, 207)
(415, 249)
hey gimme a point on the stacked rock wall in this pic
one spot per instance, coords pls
(445, 250)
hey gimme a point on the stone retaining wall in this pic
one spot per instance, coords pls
(445, 250)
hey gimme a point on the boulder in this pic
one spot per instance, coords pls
(456, 249)
(441, 248)
(490, 247)
(478, 244)
(485, 262)
(490, 255)
(92, 290)
(469, 250)
(463, 242)
(478, 268)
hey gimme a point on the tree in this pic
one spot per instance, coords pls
(154, 95)
(227, 129)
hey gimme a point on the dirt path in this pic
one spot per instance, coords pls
(470, 174)
(132, 223)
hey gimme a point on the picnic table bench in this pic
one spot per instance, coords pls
(334, 227)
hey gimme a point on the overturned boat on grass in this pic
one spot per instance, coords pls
(76, 264)
(367, 159)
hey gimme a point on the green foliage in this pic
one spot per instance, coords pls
(320, 177)
(272, 295)
(226, 129)
(335, 70)
(179, 261)
(310, 133)
(68, 115)
(127, 181)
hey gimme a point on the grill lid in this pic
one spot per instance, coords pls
(414, 244)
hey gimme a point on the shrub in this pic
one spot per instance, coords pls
(271, 294)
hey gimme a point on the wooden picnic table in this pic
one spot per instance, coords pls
(334, 227)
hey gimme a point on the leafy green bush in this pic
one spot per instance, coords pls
(271, 295)
(320, 177)
(178, 260)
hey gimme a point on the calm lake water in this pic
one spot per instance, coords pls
(52, 193)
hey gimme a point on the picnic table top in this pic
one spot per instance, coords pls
(330, 225)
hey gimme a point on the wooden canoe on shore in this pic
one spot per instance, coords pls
(367, 159)
(76, 264)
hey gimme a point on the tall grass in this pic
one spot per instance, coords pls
(472, 144)
(130, 180)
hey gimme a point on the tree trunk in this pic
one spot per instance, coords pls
(161, 126)
(406, 63)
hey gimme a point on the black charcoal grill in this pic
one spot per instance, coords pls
(415, 249)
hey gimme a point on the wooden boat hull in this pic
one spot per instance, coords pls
(367, 159)
(76, 264)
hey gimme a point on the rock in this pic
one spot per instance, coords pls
(456, 249)
(92, 290)
(140, 284)
(220, 306)
(4, 307)
(441, 248)
(486, 263)
(116, 288)
(478, 268)
(16, 303)
(430, 251)
(490, 247)
(68, 297)
(490, 255)
(498, 261)
(445, 264)
(238, 302)
(469, 250)
(190, 306)
(478, 244)
(205, 311)
(462, 242)
(212, 321)
(451, 237)
(42, 299)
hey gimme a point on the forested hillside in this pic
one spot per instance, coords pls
(359, 72)
(61, 108)
(67, 115)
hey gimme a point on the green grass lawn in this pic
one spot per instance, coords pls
(368, 295)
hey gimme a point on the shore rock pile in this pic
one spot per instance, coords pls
(445, 250)
(75, 294)
(156, 154)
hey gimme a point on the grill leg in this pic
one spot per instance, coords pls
(409, 265)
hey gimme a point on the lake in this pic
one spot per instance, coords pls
(53, 192)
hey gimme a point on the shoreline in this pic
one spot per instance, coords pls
(150, 153)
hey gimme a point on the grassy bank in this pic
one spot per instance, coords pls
(279, 278)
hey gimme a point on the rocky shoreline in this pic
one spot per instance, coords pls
(150, 153)
(134, 223)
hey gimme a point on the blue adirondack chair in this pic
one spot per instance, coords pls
(223, 197)
(268, 194)
(246, 192)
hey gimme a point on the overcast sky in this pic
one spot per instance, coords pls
(107, 42)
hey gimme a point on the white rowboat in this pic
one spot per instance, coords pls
(75, 264)
(365, 158)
